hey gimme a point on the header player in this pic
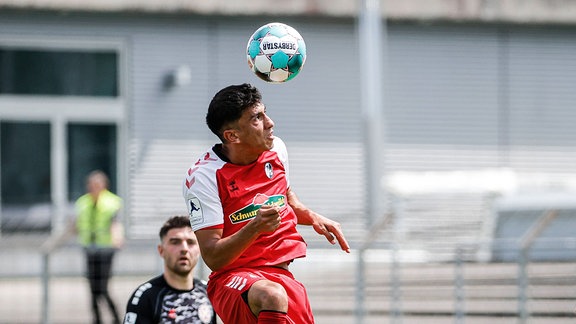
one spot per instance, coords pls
(244, 214)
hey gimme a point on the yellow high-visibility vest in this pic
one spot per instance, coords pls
(93, 221)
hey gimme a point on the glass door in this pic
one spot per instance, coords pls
(25, 176)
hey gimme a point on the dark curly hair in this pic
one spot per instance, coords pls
(228, 105)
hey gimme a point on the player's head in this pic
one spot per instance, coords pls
(173, 222)
(228, 104)
(178, 246)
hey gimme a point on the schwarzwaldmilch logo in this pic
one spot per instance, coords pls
(250, 211)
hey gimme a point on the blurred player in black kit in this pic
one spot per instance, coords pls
(174, 296)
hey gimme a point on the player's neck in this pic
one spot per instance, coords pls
(236, 155)
(179, 282)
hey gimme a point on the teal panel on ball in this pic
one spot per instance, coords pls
(295, 63)
(254, 48)
(260, 33)
(278, 31)
(279, 60)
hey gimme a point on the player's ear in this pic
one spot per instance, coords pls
(160, 249)
(230, 135)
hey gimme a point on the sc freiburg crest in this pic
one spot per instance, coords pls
(268, 170)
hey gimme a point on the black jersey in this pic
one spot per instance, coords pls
(156, 302)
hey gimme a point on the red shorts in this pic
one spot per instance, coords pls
(225, 292)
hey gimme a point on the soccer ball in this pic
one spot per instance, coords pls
(276, 52)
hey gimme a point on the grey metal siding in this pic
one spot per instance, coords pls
(457, 97)
(442, 108)
(542, 79)
(466, 97)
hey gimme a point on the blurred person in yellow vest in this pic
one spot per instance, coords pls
(101, 234)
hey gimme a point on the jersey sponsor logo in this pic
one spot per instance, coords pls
(195, 211)
(250, 211)
(268, 169)
(260, 200)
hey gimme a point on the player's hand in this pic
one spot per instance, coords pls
(332, 231)
(268, 218)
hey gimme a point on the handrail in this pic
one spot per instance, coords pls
(534, 231)
(526, 242)
(47, 248)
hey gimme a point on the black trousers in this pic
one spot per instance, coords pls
(99, 270)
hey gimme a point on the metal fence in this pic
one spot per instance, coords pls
(463, 290)
(383, 285)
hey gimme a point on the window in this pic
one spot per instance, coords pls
(58, 72)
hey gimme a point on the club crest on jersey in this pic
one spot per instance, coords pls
(268, 170)
(250, 211)
(205, 313)
(195, 211)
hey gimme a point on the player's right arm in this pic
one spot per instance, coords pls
(218, 252)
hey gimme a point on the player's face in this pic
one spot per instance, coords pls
(255, 129)
(180, 250)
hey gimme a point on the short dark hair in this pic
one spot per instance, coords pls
(228, 105)
(174, 222)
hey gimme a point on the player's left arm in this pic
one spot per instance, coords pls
(324, 226)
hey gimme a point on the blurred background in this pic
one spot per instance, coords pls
(439, 133)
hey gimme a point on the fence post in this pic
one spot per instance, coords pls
(361, 264)
(522, 285)
(395, 301)
(360, 287)
(459, 286)
(45, 315)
